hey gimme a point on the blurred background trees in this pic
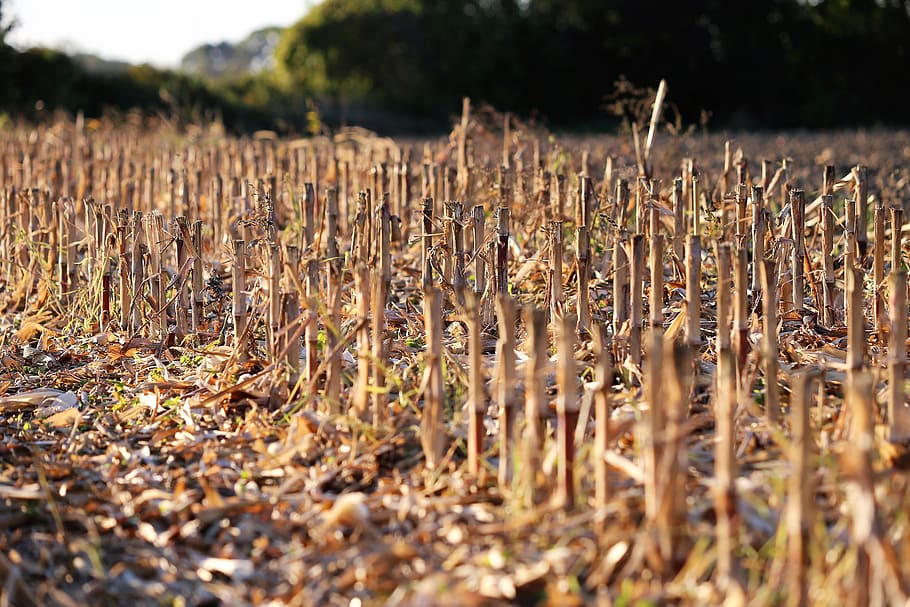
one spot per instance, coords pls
(405, 64)
(778, 63)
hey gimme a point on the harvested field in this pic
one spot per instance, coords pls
(503, 367)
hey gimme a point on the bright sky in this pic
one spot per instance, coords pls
(159, 32)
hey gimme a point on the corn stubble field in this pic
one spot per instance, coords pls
(498, 368)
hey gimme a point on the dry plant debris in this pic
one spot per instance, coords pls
(499, 368)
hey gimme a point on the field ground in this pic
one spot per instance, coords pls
(150, 455)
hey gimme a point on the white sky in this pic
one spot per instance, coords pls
(159, 32)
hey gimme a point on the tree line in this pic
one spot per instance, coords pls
(407, 63)
(778, 63)
(38, 81)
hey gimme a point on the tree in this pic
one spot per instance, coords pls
(778, 63)
(5, 28)
(251, 55)
(409, 55)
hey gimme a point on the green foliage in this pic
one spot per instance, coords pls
(407, 55)
(42, 80)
